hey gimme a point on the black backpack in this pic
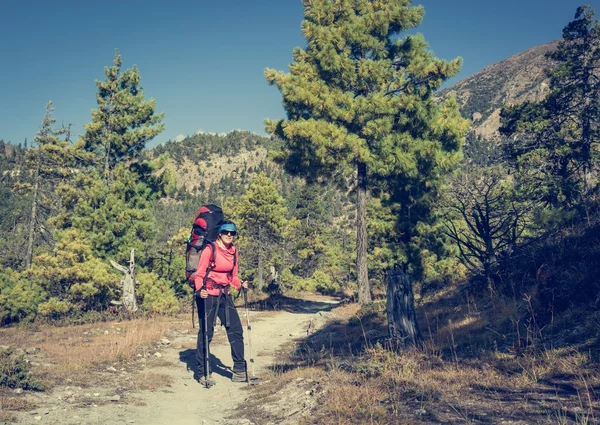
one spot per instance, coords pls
(205, 231)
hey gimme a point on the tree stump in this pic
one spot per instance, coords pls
(128, 300)
(402, 322)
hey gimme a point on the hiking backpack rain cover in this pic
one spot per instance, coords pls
(205, 230)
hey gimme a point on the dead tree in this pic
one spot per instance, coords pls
(128, 282)
(402, 322)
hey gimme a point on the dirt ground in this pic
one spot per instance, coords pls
(178, 398)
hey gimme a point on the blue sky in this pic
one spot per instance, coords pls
(203, 60)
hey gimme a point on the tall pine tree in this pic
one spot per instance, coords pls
(111, 202)
(359, 102)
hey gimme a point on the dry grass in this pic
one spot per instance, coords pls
(15, 403)
(10, 404)
(471, 370)
(71, 353)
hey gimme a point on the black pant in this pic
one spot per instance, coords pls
(234, 330)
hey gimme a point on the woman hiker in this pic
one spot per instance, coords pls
(212, 282)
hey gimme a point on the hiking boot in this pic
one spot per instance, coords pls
(239, 377)
(206, 382)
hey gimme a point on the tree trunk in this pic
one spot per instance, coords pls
(402, 322)
(33, 218)
(362, 271)
(128, 300)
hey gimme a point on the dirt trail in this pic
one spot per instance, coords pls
(185, 402)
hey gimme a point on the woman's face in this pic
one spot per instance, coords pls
(227, 236)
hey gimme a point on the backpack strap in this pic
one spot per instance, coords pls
(235, 256)
(211, 265)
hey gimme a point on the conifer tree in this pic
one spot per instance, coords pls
(359, 102)
(111, 201)
(123, 122)
(48, 163)
(261, 213)
(555, 141)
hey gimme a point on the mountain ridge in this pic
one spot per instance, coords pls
(514, 80)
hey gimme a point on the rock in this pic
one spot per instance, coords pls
(106, 332)
(32, 350)
(96, 394)
(157, 355)
(18, 390)
(420, 411)
(38, 418)
(111, 369)
(115, 398)
(165, 341)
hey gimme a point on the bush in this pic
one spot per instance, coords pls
(19, 298)
(15, 373)
(55, 308)
(158, 296)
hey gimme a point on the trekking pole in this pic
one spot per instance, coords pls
(193, 308)
(252, 379)
(206, 349)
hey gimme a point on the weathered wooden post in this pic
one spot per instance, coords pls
(402, 321)
(128, 300)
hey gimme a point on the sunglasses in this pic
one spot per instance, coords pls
(229, 232)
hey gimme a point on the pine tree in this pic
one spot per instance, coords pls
(261, 213)
(123, 122)
(555, 141)
(359, 102)
(48, 162)
(111, 201)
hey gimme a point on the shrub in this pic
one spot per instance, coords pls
(157, 295)
(15, 373)
(54, 308)
(18, 298)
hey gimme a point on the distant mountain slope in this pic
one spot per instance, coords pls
(219, 161)
(512, 81)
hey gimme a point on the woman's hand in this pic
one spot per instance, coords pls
(245, 285)
(203, 293)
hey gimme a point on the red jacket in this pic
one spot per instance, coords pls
(223, 273)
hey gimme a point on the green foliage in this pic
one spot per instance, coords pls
(55, 308)
(157, 295)
(19, 298)
(115, 217)
(15, 372)
(73, 277)
(260, 215)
